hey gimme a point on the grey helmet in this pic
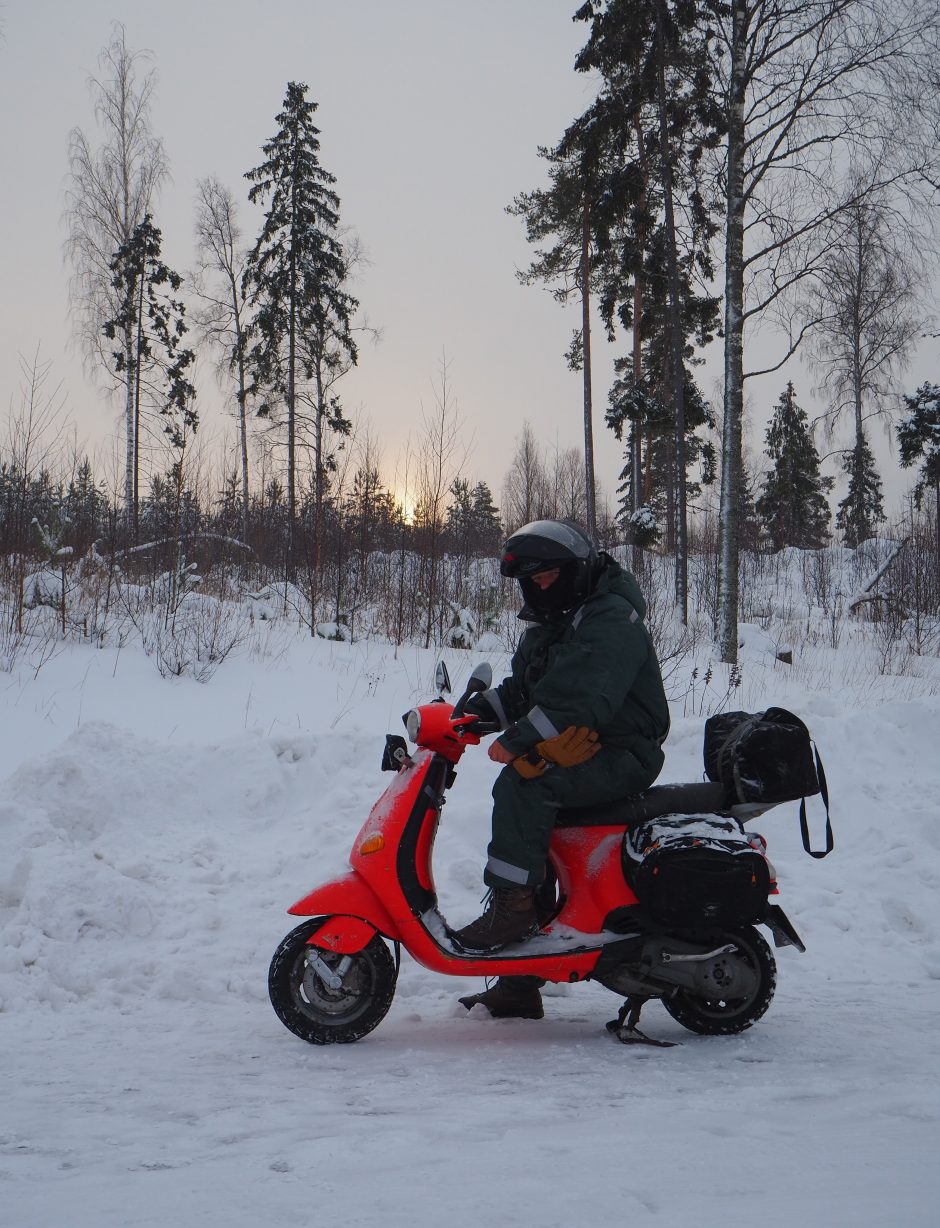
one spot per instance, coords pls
(545, 544)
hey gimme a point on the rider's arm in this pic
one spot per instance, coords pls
(589, 679)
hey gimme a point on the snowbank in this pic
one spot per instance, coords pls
(152, 834)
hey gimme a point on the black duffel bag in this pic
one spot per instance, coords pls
(765, 758)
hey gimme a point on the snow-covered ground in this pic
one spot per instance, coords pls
(152, 834)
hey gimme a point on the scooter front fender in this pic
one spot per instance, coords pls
(344, 935)
(349, 898)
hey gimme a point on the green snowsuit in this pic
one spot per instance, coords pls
(594, 666)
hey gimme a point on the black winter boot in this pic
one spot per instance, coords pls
(509, 915)
(512, 997)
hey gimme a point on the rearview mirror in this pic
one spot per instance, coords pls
(482, 677)
(480, 680)
(442, 679)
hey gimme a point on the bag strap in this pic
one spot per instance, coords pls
(724, 759)
(804, 827)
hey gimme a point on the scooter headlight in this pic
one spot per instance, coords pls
(413, 724)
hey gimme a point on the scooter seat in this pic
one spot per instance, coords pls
(699, 797)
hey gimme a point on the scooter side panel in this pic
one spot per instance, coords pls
(349, 896)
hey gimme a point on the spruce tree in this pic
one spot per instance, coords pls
(296, 272)
(149, 327)
(487, 526)
(87, 507)
(863, 507)
(652, 427)
(919, 435)
(919, 440)
(793, 507)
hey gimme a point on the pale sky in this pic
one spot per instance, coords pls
(430, 114)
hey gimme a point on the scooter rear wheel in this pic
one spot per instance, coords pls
(720, 1016)
(316, 1012)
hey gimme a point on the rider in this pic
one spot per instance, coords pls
(583, 718)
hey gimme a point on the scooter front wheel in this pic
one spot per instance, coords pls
(735, 1001)
(319, 1012)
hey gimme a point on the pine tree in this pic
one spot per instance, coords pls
(657, 109)
(296, 273)
(863, 507)
(149, 326)
(473, 525)
(793, 507)
(371, 511)
(87, 507)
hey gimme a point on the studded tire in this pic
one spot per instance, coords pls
(319, 1014)
(724, 1016)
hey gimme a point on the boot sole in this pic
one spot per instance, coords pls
(476, 1000)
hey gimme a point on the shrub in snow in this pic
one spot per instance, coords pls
(643, 527)
(274, 600)
(43, 588)
(462, 630)
(334, 631)
(193, 638)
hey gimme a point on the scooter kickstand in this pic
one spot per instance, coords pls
(625, 1029)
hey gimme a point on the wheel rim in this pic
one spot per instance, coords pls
(322, 1004)
(724, 1007)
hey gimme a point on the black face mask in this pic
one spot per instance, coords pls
(563, 595)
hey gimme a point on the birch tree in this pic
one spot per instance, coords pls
(111, 186)
(224, 318)
(440, 458)
(525, 486)
(809, 87)
(866, 307)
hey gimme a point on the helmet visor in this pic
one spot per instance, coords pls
(520, 566)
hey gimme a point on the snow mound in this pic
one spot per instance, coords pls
(133, 860)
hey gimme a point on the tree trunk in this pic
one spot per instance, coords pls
(291, 419)
(242, 406)
(636, 432)
(589, 500)
(318, 483)
(129, 436)
(728, 543)
(675, 332)
(138, 358)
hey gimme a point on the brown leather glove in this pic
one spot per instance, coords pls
(574, 745)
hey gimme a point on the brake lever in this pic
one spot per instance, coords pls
(475, 725)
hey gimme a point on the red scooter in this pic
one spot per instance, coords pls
(332, 979)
